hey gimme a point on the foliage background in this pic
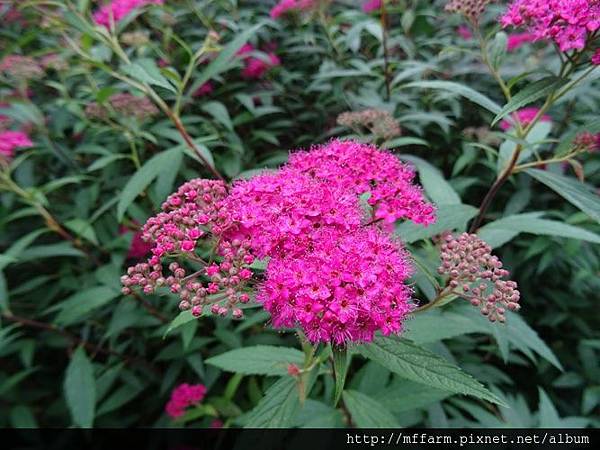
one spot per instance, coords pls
(75, 351)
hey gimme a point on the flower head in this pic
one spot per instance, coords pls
(206, 89)
(255, 67)
(471, 9)
(568, 23)
(182, 397)
(517, 40)
(19, 66)
(465, 32)
(11, 140)
(284, 7)
(118, 9)
(379, 122)
(371, 5)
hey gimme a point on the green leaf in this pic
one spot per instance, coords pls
(418, 364)
(459, 89)
(449, 217)
(403, 141)
(182, 318)
(219, 112)
(529, 94)
(548, 416)
(278, 408)
(80, 389)
(341, 362)
(434, 183)
(142, 178)
(76, 306)
(440, 324)
(146, 71)
(258, 360)
(405, 395)
(82, 228)
(367, 412)
(503, 230)
(576, 192)
(225, 57)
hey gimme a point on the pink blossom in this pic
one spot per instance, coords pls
(516, 40)
(182, 397)
(566, 22)
(524, 117)
(287, 6)
(465, 32)
(371, 5)
(11, 140)
(118, 9)
(206, 89)
(255, 67)
(596, 58)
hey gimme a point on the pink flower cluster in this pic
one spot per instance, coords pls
(182, 397)
(118, 9)
(255, 67)
(287, 6)
(566, 22)
(517, 40)
(10, 140)
(138, 247)
(206, 89)
(524, 116)
(596, 58)
(371, 5)
(320, 221)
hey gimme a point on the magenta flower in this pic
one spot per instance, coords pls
(138, 247)
(568, 23)
(11, 140)
(118, 9)
(465, 32)
(182, 397)
(524, 117)
(288, 6)
(517, 40)
(206, 89)
(255, 67)
(371, 5)
(596, 58)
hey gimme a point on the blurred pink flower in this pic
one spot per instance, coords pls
(465, 32)
(517, 40)
(596, 58)
(256, 67)
(524, 116)
(11, 140)
(118, 9)
(183, 396)
(206, 89)
(286, 6)
(371, 5)
(138, 247)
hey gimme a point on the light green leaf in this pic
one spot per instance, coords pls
(142, 178)
(80, 389)
(548, 415)
(434, 183)
(145, 70)
(367, 412)
(403, 141)
(449, 217)
(418, 364)
(529, 94)
(503, 230)
(219, 112)
(405, 395)
(182, 318)
(82, 228)
(341, 362)
(576, 192)
(278, 408)
(258, 360)
(459, 89)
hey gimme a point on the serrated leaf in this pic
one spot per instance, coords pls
(142, 179)
(405, 395)
(418, 364)
(459, 89)
(579, 194)
(80, 389)
(258, 360)
(367, 412)
(528, 95)
(278, 408)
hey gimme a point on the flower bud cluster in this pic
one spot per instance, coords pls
(135, 38)
(380, 123)
(190, 215)
(587, 141)
(132, 105)
(21, 67)
(476, 275)
(471, 9)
